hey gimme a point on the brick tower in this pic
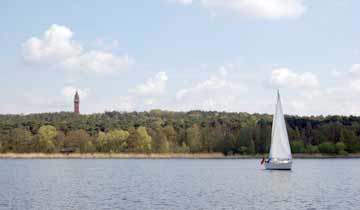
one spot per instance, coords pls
(77, 103)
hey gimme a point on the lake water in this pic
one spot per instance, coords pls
(100, 184)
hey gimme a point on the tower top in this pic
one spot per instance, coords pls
(76, 97)
(77, 103)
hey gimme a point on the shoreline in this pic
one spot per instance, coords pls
(159, 156)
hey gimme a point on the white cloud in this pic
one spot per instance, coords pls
(284, 77)
(228, 89)
(126, 103)
(265, 9)
(215, 93)
(183, 2)
(153, 86)
(57, 48)
(354, 85)
(55, 45)
(97, 61)
(69, 92)
(144, 96)
(339, 98)
(355, 69)
(214, 83)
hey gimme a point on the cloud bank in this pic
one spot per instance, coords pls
(285, 78)
(57, 48)
(262, 9)
(153, 86)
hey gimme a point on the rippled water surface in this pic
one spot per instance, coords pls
(177, 184)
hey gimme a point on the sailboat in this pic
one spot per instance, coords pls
(280, 153)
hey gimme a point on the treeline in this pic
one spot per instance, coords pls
(160, 131)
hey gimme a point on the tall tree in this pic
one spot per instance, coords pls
(22, 140)
(76, 138)
(194, 138)
(116, 140)
(352, 142)
(45, 139)
(143, 140)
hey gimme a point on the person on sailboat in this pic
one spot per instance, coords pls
(265, 160)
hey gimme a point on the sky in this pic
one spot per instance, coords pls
(180, 55)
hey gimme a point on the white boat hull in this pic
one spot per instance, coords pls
(279, 165)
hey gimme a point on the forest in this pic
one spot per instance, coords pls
(159, 131)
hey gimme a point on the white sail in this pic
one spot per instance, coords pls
(280, 148)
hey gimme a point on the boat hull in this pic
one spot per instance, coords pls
(278, 165)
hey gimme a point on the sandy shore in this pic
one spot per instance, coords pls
(111, 155)
(155, 156)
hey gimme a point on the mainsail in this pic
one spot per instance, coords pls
(280, 148)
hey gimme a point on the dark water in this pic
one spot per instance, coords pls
(177, 184)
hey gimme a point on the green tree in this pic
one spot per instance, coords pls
(200, 131)
(229, 145)
(319, 137)
(245, 142)
(59, 142)
(340, 148)
(312, 149)
(170, 133)
(143, 140)
(208, 140)
(263, 136)
(87, 147)
(327, 147)
(297, 146)
(308, 133)
(102, 143)
(160, 143)
(251, 147)
(45, 138)
(350, 140)
(193, 138)
(132, 140)
(183, 149)
(113, 141)
(22, 140)
(75, 138)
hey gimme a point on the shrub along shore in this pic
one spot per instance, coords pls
(158, 156)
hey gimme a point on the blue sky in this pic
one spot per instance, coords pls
(181, 55)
